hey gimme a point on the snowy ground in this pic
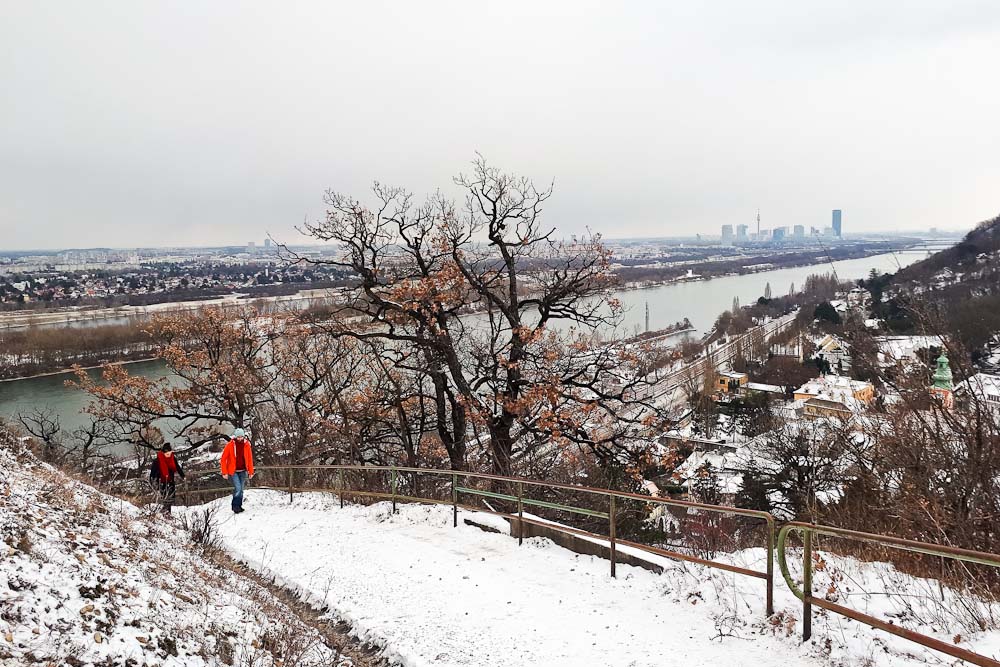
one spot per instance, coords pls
(87, 579)
(431, 594)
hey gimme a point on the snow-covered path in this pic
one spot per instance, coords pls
(437, 595)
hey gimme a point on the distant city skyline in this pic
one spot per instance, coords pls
(154, 124)
(707, 236)
(297, 240)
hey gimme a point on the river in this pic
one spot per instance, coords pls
(51, 392)
(700, 301)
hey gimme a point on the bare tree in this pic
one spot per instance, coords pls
(43, 424)
(222, 372)
(801, 465)
(84, 447)
(501, 314)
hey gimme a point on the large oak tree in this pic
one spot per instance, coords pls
(500, 317)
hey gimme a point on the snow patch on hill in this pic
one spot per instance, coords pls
(88, 579)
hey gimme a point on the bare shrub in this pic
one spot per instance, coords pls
(202, 527)
(288, 646)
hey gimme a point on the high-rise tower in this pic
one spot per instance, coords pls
(836, 223)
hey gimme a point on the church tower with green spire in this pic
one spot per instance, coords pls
(942, 385)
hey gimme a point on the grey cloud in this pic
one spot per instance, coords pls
(201, 123)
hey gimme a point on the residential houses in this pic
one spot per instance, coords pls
(833, 396)
(982, 386)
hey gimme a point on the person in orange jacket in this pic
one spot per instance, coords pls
(237, 465)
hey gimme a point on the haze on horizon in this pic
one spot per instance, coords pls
(149, 124)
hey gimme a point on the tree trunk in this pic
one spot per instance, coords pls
(502, 445)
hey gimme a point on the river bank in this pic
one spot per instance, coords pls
(765, 267)
(83, 317)
(67, 371)
(33, 352)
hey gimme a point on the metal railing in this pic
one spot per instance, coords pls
(804, 593)
(515, 494)
(512, 490)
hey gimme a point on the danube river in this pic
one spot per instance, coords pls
(700, 301)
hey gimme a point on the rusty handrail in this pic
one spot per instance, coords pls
(525, 480)
(776, 541)
(804, 594)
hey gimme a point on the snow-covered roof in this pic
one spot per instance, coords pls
(832, 386)
(832, 392)
(830, 343)
(982, 385)
(725, 466)
(760, 386)
(898, 348)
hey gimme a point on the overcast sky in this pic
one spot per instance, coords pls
(199, 123)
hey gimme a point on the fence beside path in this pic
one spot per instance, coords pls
(680, 530)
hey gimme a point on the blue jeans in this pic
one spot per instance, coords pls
(239, 480)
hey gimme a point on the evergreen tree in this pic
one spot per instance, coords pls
(753, 491)
(706, 487)
(822, 365)
(826, 312)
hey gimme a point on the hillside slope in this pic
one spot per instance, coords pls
(984, 238)
(88, 579)
(954, 293)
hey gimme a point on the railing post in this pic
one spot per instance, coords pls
(290, 490)
(454, 500)
(770, 568)
(392, 486)
(341, 494)
(806, 584)
(520, 514)
(611, 534)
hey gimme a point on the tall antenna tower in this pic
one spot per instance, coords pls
(758, 224)
(647, 317)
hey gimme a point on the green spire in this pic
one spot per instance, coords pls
(942, 375)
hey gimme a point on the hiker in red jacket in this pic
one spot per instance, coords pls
(162, 476)
(237, 465)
